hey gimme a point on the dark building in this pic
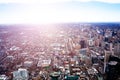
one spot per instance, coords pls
(82, 44)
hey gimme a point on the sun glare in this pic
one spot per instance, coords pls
(39, 15)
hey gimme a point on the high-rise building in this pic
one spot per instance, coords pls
(117, 49)
(83, 43)
(3, 54)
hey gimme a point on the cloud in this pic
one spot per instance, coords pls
(32, 1)
(105, 1)
(109, 1)
(55, 1)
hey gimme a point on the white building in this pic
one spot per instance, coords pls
(3, 77)
(44, 63)
(28, 63)
(21, 74)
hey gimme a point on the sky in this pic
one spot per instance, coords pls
(58, 11)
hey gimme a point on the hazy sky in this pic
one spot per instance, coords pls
(55, 11)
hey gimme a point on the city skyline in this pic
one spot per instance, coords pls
(58, 11)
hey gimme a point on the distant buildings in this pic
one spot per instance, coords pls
(70, 51)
